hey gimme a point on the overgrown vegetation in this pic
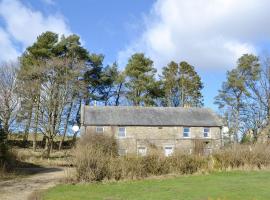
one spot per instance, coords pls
(96, 159)
(256, 156)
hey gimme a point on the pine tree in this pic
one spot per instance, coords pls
(182, 85)
(141, 83)
(50, 78)
(170, 84)
(235, 93)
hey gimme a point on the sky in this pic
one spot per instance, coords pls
(209, 34)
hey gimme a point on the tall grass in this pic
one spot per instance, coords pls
(256, 156)
(96, 159)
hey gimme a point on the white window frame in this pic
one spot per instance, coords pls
(209, 132)
(168, 146)
(99, 127)
(140, 154)
(124, 150)
(121, 136)
(190, 151)
(189, 133)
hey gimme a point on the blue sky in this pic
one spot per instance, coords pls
(105, 26)
(210, 34)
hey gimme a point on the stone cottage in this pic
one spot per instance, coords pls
(138, 129)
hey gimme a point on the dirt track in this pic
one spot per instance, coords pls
(22, 188)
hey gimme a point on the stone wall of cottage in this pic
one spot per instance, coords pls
(161, 137)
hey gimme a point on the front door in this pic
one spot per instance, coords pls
(142, 151)
(168, 151)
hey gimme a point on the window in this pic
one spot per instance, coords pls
(121, 132)
(142, 151)
(168, 150)
(206, 132)
(99, 129)
(186, 132)
(122, 152)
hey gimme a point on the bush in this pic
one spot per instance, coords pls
(155, 164)
(106, 144)
(96, 160)
(239, 156)
(91, 164)
(93, 157)
(188, 164)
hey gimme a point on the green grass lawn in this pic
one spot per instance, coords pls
(221, 186)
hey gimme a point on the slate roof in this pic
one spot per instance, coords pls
(149, 116)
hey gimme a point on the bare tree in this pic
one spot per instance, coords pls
(9, 101)
(58, 94)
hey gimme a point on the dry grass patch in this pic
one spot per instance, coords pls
(58, 158)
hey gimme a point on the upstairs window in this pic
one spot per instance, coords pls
(99, 129)
(186, 132)
(206, 132)
(121, 132)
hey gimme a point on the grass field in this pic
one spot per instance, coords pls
(217, 186)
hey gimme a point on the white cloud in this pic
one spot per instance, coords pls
(7, 50)
(209, 34)
(23, 24)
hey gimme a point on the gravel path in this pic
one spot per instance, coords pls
(22, 188)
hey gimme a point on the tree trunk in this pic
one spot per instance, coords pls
(237, 119)
(118, 94)
(36, 126)
(66, 125)
(49, 147)
(6, 127)
(46, 144)
(182, 94)
(35, 141)
(3, 145)
(27, 127)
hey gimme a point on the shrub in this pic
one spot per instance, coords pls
(106, 144)
(155, 164)
(239, 156)
(91, 164)
(187, 163)
(93, 157)
(96, 160)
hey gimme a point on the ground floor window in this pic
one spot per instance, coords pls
(168, 150)
(99, 129)
(142, 151)
(122, 152)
